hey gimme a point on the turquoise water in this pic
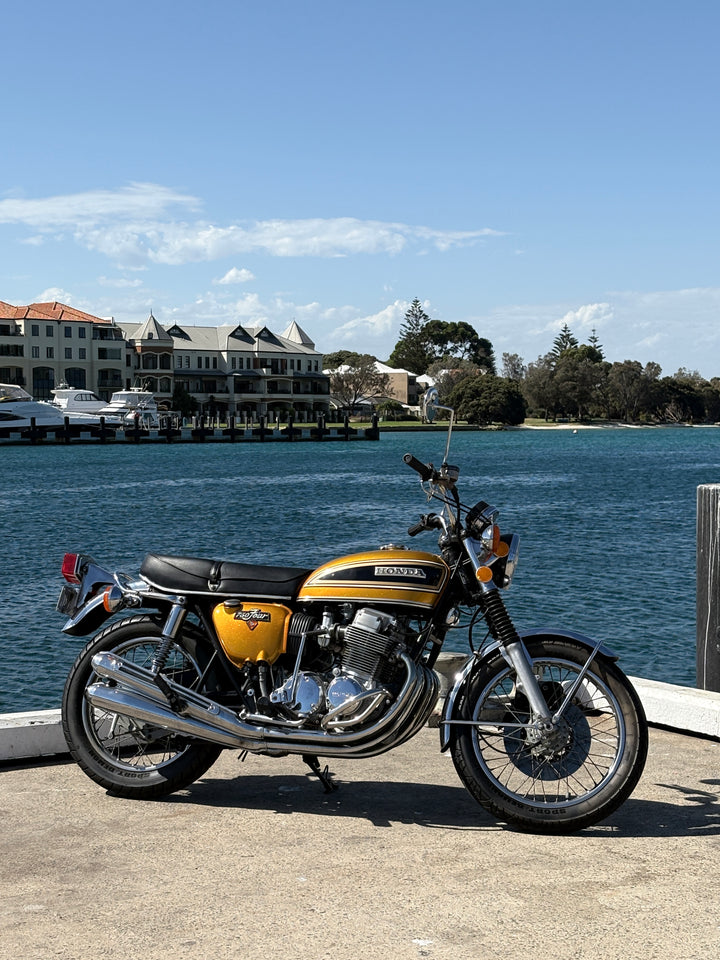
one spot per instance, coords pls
(606, 519)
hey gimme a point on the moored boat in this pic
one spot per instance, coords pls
(18, 411)
(133, 405)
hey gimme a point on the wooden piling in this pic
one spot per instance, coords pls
(708, 587)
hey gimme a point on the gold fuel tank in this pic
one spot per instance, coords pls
(251, 631)
(406, 577)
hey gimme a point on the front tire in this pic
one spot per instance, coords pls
(132, 758)
(570, 779)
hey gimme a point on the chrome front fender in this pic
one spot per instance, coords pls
(473, 663)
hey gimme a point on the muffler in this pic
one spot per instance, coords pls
(134, 693)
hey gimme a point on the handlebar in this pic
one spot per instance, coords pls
(425, 470)
(429, 521)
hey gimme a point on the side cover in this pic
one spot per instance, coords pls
(406, 577)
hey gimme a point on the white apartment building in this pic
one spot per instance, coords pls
(232, 369)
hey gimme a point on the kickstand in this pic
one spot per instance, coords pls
(324, 776)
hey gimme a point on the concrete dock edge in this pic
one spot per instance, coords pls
(38, 734)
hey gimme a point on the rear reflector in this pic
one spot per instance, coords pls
(70, 566)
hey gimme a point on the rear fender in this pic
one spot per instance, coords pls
(88, 618)
(472, 666)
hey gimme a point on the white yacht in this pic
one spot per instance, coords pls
(131, 404)
(18, 410)
(76, 400)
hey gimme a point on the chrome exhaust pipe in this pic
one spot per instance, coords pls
(135, 694)
(133, 705)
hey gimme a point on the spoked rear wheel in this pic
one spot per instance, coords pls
(559, 780)
(130, 757)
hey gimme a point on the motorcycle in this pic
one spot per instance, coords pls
(544, 729)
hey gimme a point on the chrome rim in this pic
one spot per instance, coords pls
(565, 768)
(134, 744)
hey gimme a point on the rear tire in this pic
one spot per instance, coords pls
(132, 758)
(586, 772)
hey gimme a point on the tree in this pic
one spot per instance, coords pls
(539, 385)
(331, 361)
(594, 341)
(459, 341)
(564, 341)
(579, 375)
(446, 377)
(184, 402)
(358, 379)
(488, 399)
(412, 351)
(513, 366)
(626, 387)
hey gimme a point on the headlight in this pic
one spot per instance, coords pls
(481, 516)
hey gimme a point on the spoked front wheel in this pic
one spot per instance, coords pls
(551, 780)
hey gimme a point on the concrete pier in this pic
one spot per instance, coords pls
(255, 860)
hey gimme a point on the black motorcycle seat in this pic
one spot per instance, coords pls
(222, 578)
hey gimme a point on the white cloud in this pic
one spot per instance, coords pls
(586, 317)
(134, 227)
(52, 294)
(119, 282)
(371, 328)
(236, 275)
(137, 200)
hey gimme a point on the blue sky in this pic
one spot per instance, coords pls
(514, 164)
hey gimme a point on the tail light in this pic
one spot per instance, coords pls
(71, 567)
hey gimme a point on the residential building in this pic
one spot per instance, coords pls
(45, 343)
(244, 370)
(232, 369)
(402, 385)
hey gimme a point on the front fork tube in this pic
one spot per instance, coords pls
(513, 651)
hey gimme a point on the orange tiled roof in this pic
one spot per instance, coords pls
(48, 311)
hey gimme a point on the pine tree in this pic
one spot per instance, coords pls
(413, 351)
(564, 341)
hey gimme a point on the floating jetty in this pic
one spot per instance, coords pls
(200, 431)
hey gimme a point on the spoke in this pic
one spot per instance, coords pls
(132, 744)
(565, 766)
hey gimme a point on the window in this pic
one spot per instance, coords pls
(214, 363)
(292, 364)
(187, 360)
(82, 353)
(35, 330)
(50, 354)
(82, 332)
(68, 331)
(49, 331)
(233, 363)
(108, 353)
(36, 353)
(68, 353)
(178, 361)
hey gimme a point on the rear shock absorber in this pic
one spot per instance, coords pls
(172, 627)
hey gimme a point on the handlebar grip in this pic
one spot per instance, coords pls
(416, 528)
(424, 469)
